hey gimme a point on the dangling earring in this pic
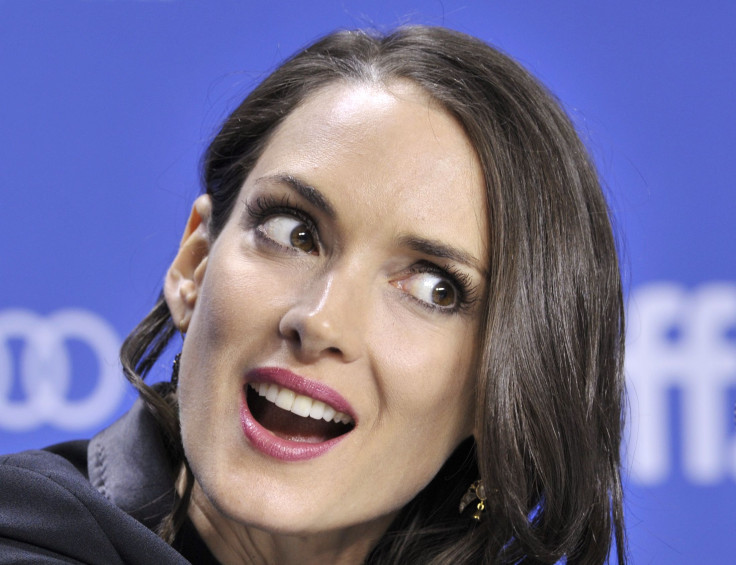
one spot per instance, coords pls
(175, 366)
(476, 492)
(175, 371)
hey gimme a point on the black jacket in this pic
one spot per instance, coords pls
(94, 501)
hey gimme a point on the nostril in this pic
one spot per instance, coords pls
(295, 337)
(316, 329)
(291, 335)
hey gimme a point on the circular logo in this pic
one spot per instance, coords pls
(44, 370)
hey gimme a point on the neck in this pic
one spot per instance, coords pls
(234, 543)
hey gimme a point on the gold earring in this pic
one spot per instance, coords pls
(476, 491)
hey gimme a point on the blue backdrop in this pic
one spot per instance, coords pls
(106, 106)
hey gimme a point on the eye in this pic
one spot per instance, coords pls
(289, 232)
(430, 288)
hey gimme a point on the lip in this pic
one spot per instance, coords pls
(278, 448)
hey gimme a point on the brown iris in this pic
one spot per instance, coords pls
(443, 294)
(301, 238)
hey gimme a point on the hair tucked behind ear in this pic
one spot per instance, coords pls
(550, 388)
(139, 352)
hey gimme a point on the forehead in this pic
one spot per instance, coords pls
(390, 151)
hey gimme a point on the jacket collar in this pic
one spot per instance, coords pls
(129, 464)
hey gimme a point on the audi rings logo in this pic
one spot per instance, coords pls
(44, 370)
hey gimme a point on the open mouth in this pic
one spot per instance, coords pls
(293, 416)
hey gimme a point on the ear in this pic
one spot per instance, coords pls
(184, 277)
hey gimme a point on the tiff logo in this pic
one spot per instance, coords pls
(686, 340)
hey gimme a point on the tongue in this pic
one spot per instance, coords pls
(288, 425)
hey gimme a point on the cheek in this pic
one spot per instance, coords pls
(428, 394)
(428, 379)
(239, 300)
(235, 318)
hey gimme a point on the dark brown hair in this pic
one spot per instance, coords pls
(550, 389)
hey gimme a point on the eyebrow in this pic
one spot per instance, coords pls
(306, 191)
(438, 249)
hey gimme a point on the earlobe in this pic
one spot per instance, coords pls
(184, 277)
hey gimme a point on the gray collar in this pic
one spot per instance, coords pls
(129, 464)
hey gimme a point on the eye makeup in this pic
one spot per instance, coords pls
(461, 283)
(268, 206)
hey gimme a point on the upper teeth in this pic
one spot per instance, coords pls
(299, 404)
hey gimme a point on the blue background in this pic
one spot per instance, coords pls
(107, 105)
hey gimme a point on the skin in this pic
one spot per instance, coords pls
(352, 313)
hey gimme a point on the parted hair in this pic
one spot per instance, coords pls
(549, 377)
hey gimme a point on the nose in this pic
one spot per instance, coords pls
(325, 319)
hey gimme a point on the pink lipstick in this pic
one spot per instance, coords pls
(287, 448)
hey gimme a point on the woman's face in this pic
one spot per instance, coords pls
(349, 279)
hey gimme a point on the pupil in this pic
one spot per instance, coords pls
(443, 295)
(301, 238)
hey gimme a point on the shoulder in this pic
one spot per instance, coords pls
(50, 513)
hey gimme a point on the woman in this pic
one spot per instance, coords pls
(402, 321)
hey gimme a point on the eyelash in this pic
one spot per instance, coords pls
(268, 206)
(466, 292)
